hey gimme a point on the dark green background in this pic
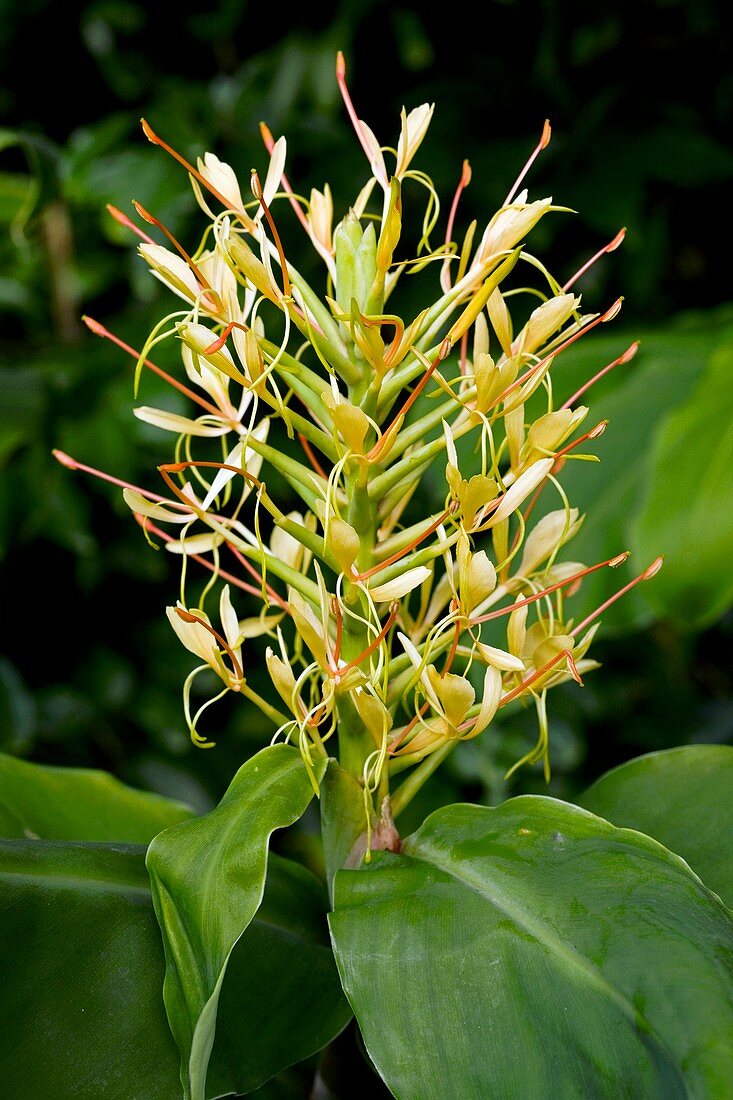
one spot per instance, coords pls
(639, 95)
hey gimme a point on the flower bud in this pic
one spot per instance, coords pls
(356, 262)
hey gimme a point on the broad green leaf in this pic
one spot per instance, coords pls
(281, 1000)
(682, 797)
(82, 965)
(208, 878)
(687, 509)
(534, 950)
(81, 1011)
(79, 804)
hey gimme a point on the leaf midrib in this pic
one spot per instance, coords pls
(549, 939)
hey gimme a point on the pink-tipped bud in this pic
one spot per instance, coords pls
(653, 569)
(144, 213)
(613, 312)
(149, 132)
(267, 137)
(94, 326)
(614, 244)
(65, 460)
(629, 354)
(619, 560)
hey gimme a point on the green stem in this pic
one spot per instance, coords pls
(405, 793)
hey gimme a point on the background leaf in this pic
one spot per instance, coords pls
(687, 508)
(208, 878)
(683, 798)
(79, 804)
(82, 967)
(535, 950)
(281, 999)
(82, 964)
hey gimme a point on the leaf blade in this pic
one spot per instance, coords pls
(208, 878)
(81, 804)
(510, 918)
(683, 797)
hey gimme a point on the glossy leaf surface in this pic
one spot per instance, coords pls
(534, 950)
(683, 798)
(79, 804)
(81, 1010)
(208, 878)
(687, 509)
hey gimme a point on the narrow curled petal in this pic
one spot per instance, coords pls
(171, 270)
(142, 506)
(181, 425)
(490, 701)
(228, 617)
(223, 178)
(195, 637)
(517, 493)
(499, 658)
(414, 127)
(243, 457)
(400, 586)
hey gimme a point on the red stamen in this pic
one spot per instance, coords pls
(408, 728)
(602, 320)
(72, 464)
(541, 144)
(128, 224)
(188, 617)
(410, 547)
(219, 343)
(270, 145)
(179, 467)
(610, 247)
(100, 330)
(442, 353)
(520, 690)
(167, 537)
(393, 612)
(594, 433)
(612, 563)
(310, 455)
(153, 137)
(151, 220)
(260, 196)
(355, 120)
(445, 277)
(627, 356)
(649, 572)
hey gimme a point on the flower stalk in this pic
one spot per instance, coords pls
(397, 618)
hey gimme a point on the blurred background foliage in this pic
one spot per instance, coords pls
(639, 95)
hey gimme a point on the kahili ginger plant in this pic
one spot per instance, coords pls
(393, 630)
(531, 949)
